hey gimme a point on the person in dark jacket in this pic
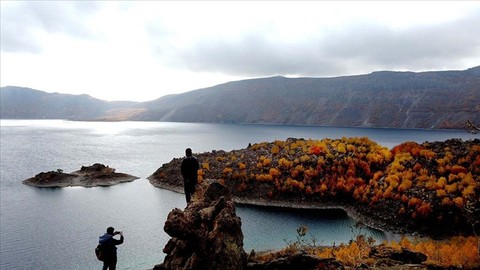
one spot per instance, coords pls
(189, 170)
(109, 247)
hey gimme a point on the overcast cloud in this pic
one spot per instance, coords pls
(144, 50)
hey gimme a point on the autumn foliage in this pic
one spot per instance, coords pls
(460, 252)
(429, 182)
(428, 187)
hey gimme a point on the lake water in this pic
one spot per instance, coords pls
(59, 228)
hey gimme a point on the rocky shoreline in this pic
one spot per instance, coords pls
(88, 176)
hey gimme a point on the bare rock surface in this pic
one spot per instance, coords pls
(207, 234)
(88, 176)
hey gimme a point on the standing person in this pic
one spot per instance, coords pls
(189, 172)
(109, 247)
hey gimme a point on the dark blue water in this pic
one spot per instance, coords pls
(59, 228)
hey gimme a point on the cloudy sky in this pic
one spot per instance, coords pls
(135, 50)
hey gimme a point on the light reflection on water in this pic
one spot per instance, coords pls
(58, 228)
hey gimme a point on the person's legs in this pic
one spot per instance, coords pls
(110, 263)
(186, 188)
(192, 190)
(113, 263)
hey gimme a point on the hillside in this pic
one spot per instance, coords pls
(439, 99)
(382, 99)
(27, 103)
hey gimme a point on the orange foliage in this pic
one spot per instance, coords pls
(242, 166)
(457, 251)
(458, 202)
(407, 147)
(361, 170)
(424, 210)
(413, 202)
(456, 169)
(441, 193)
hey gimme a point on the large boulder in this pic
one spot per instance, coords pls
(206, 234)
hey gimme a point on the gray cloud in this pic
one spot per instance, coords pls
(422, 47)
(352, 49)
(22, 22)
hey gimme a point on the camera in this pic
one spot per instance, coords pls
(117, 232)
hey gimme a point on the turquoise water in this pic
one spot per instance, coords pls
(59, 228)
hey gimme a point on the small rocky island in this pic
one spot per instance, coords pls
(88, 176)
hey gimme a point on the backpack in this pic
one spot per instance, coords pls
(100, 252)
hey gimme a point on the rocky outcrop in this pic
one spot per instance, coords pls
(206, 235)
(88, 176)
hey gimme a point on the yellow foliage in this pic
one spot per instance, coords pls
(227, 170)
(468, 191)
(441, 183)
(283, 162)
(341, 148)
(206, 166)
(274, 172)
(441, 193)
(266, 162)
(242, 166)
(356, 253)
(457, 251)
(428, 154)
(264, 177)
(406, 184)
(304, 158)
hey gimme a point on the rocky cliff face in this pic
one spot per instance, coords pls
(206, 235)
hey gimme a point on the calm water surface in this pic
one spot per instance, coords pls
(59, 228)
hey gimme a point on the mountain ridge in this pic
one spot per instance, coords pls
(396, 99)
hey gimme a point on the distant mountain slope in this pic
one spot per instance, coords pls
(26, 103)
(438, 99)
(444, 99)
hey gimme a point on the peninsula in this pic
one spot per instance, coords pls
(88, 176)
(430, 189)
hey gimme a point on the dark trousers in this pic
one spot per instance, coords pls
(189, 190)
(110, 263)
